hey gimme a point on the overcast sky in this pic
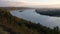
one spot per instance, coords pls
(29, 2)
(33, 0)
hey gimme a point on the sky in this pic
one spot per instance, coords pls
(35, 1)
(30, 2)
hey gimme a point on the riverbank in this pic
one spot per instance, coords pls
(13, 25)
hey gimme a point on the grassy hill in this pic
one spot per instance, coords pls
(12, 25)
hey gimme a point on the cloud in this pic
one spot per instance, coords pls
(12, 4)
(10, 0)
(43, 1)
(30, 3)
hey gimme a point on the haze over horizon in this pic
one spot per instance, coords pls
(30, 3)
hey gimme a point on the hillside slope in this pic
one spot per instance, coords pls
(12, 25)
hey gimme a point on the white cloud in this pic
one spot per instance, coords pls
(35, 3)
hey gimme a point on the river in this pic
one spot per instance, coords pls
(34, 17)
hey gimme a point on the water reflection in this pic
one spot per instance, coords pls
(31, 15)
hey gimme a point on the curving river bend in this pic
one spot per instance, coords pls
(31, 15)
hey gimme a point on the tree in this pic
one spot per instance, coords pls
(56, 30)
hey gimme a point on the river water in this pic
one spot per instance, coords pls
(32, 16)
